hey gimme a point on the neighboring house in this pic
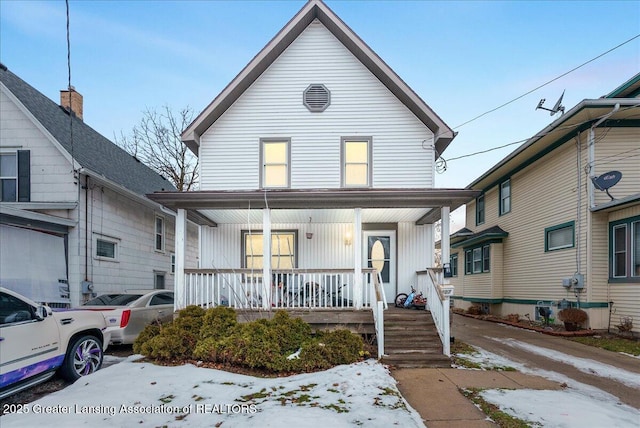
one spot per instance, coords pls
(541, 231)
(74, 220)
(317, 166)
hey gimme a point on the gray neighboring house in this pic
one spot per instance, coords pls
(74, 219)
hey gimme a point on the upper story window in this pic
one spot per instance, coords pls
(159, 233)
(15, 176)
(356, 159)
(275, 160)
(480, 210)
(505, 197)
(624, 250)
(283, 249)
(559, 237)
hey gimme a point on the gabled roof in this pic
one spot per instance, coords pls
(90, 149)
(565, 128)
(316, 9)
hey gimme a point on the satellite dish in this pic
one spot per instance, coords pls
(558, 107)
(607, 181)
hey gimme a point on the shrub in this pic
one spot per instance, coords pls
(218, 322)
(150, 331)
(573, 315)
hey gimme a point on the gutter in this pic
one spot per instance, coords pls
(592, 154)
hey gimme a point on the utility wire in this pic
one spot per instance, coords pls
(539, 135)
(548, 82)
(73, 162)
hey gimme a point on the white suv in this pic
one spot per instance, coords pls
(35, 342)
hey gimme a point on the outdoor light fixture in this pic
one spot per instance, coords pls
(347, 238)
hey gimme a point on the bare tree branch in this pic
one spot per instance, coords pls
(156, 142)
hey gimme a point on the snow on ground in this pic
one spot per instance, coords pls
(577, 406)
(585, 365)
(143, 394)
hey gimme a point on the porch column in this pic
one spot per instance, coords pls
(357, 258)
(444, 239)
(266, 259)
(180, 251)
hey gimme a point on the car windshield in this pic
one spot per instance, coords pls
(113, 300)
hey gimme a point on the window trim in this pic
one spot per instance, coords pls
(501, 198)
(484, 253)
(243, 248)
(343, 164)
(262, 169)
(453, 262)
(163, 234)
(630, 225)
(156, 275)
(172, 261)
(109, 239)
(570, 224)
(480, 199)
(23, 174)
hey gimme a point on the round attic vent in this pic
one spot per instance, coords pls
(316, 98)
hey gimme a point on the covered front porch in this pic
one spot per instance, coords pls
(341, 250)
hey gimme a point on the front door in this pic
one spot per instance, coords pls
(380, 253)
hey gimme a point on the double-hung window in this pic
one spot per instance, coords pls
(480, 210)
(275, 158)
(505, 197)
(356, 158)
(15, 179)
(159, 233)
(624, 250)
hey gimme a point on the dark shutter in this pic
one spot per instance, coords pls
(24, 176)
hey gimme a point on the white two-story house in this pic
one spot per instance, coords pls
(317, 168)
(74, 219)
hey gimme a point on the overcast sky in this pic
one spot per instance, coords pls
(463, 58)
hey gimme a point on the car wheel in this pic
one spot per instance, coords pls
(84, 357)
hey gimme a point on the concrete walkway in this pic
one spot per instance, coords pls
(434, 394)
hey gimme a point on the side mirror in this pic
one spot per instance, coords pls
(41, 313)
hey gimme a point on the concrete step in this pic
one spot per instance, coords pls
(431, 360)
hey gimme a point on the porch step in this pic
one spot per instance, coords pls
(411, 340)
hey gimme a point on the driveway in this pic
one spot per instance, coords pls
(615, 373)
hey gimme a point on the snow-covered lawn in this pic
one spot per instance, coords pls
(142, 394)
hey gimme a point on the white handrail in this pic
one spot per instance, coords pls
(438, 301)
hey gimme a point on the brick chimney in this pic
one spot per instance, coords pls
(76, 101)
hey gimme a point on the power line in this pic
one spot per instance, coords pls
(538, 135)
(548, 82)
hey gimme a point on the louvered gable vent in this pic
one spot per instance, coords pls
(316, 98)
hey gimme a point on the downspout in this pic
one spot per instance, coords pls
(592, 153)
(86, 228)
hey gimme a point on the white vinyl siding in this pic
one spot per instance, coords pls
(360, 105)
(617, 149)
(51, 172)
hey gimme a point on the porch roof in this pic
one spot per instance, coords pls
(202, 202)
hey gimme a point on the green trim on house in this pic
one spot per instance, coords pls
(568, 136)
(628, 278)
(620, 89)
(571, 224)
(584, 305)
(489, 238)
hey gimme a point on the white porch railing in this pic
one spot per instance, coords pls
(292, 288)
(378, 308)
(438, 301)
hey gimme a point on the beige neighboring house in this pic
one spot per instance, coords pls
(542, 231)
